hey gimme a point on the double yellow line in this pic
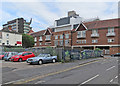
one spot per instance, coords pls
(50, 74)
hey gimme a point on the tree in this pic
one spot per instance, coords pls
(27, 41)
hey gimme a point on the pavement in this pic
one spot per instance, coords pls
(89, 71)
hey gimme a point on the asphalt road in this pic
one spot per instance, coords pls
(99, 71)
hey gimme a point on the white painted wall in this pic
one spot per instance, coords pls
(13, 38)
(64, 28)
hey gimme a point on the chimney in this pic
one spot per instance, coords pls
(10, 27)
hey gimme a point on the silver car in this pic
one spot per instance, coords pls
(42, 58)
(8, 55)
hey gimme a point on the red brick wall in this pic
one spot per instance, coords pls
(114, 50)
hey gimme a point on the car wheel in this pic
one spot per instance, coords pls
(40, 62)
(53, 60)
(20, 59)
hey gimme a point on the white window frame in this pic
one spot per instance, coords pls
(111, 30)
(111, 40)
(81, 34)
(40, 38)
(56, 42)
(67, 36)
(7, 42)
(7, 36)
(95, 41)
(35, 39)
(56, 36)
(61, 36)
(66, 42)
(48, 37)
(40, 43)
(61, 42)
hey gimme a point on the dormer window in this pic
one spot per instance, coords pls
(81, 34)
(48, 37)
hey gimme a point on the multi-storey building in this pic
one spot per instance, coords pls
(19, 25)
(103, 34)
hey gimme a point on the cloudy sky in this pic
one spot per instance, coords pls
(44, 13)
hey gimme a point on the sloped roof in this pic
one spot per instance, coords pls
(39, 33)
(102, 23)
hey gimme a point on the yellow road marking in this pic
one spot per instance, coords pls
(49, 74)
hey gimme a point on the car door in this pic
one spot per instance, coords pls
(29, 55)
(24, 56)
(49, 58)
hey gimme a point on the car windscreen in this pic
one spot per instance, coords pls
(20, 53)
(41, 55)
(6, 54)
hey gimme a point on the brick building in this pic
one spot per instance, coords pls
(103, 34)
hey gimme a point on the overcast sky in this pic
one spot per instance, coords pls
(44, 13)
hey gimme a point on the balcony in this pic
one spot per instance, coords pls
(40, 40)
(110, 34)
(94, 35)
(81, 36)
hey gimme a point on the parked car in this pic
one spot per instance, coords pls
(8, 55)
(2, 55)
(116, 55)
(23, 56)
(42, 58)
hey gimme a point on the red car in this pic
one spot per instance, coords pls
(2, 56)
(23, 56)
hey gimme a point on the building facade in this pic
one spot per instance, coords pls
(103, 34)
(10, 39)
(19, 25)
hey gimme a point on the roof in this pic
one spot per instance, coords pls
(38, 33)
(102, 24)
(9, 31)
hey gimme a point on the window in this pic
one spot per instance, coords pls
(25, 54)
(47, 43)
(95, 41)
(7, 42)
(94, 31)
(61, 36)
(40, 43)
(81, 41)
(35, 39)
(110, 40)
(48, 37)
(61, 42)
(81, 34)
(29, 53)
(56, 42)
(7, 35)
(67, 36)
(40, 38)
(66, 42)
(56, 36)
(110, 30)
(35, 44)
